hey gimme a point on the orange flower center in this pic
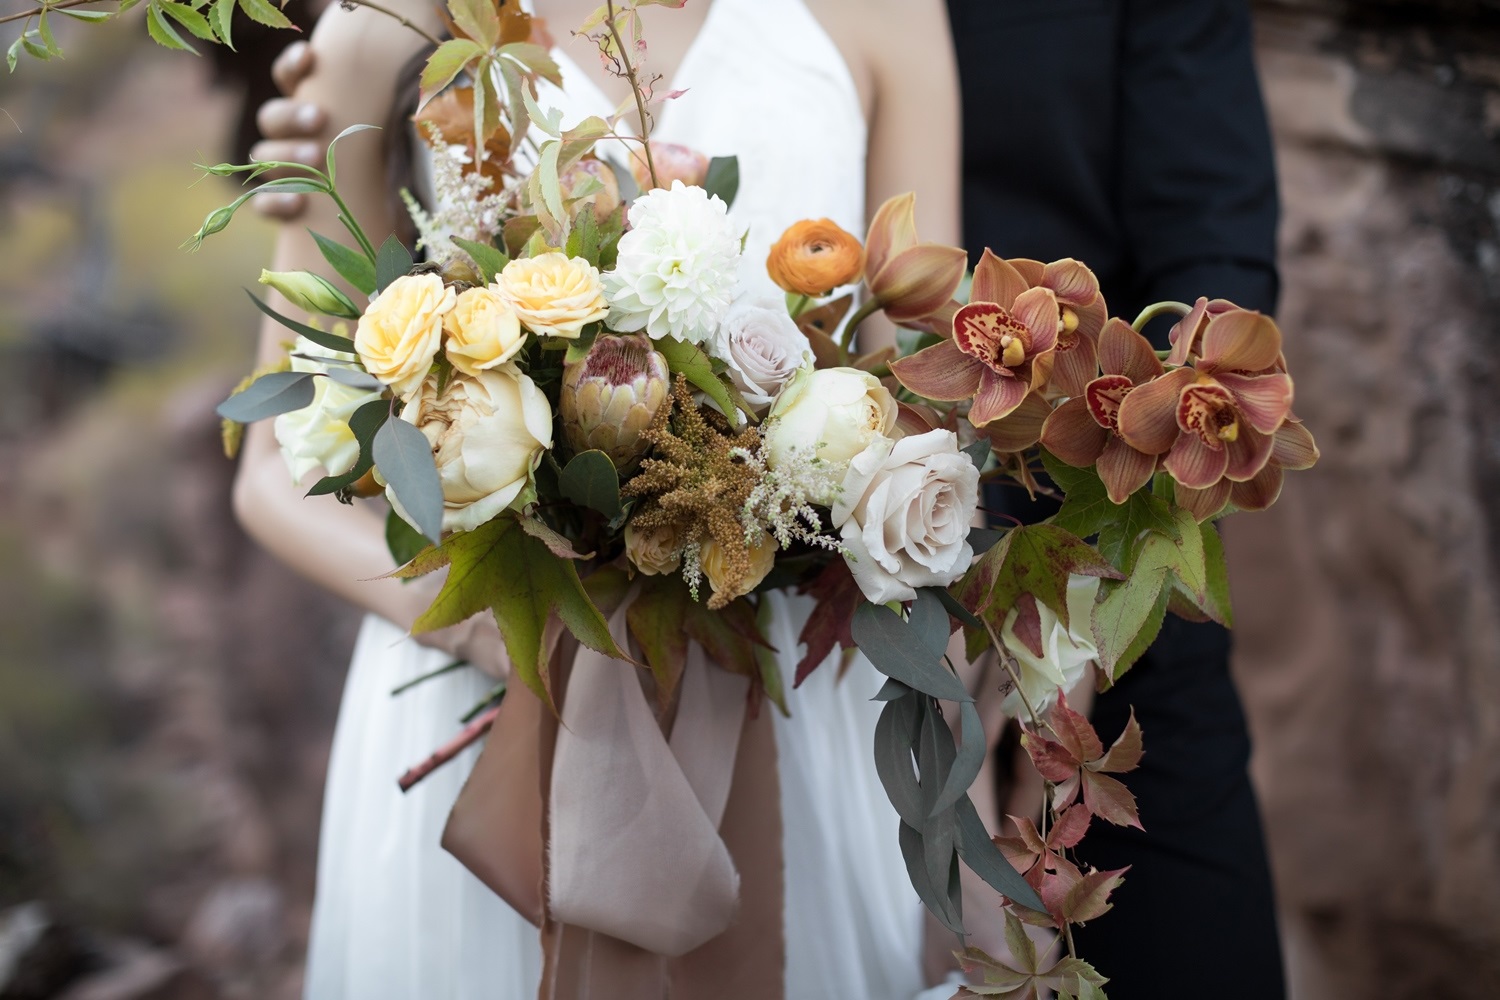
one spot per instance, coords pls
(1104, 396)
(1207, 409)
(985, 331)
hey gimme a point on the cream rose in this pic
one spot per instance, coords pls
(832, 414)
(488, 432)
(318, 435)
(713, 559)
(763, 349)
(654, 553)
(554, 295)
(483, 331)
(1066, 652)
(904, 514)
(401, 331)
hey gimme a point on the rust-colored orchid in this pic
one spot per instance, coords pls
(1292, 448)
(1217, 418)
(1002, 346)
(909, 280)
(1083, 431)
(1081, 313)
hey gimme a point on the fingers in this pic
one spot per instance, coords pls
(292, 66)
(282, 118)
(280, 207)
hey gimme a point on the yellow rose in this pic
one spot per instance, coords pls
(712, 558)
(399, 335)
(554, 295)
(483, 331)
(654, 553)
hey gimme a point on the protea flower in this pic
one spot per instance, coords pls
(1002, 346)
(1083, 431)
(1216, 419)
(610, 397)
(909, 280)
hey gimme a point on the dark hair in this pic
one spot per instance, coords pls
(400, 144)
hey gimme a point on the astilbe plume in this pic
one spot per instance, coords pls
(467, 205)
(696, 484)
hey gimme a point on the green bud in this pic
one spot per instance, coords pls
(308, 291)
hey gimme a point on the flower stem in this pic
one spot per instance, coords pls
(1159, 309)
(43, 8)
(466, 737)
(869, 308)
(635, 89)
(405, 21)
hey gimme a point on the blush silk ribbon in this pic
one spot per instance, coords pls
(662, 870)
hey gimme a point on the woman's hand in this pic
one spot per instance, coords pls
(476, 640)
(288, 127)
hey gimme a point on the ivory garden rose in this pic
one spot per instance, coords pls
(488, 433)
(763, 348)
(483, 331)
(553, 295)
(655, 553)
(905, 513)
(715, 562)
(830, 415)
(318, 435)
(401, 331)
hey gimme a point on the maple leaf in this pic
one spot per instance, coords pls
(1070, 894)
(1035, 559)
(837, 595)
(1077, 760)
(502, 567)
(664, 616)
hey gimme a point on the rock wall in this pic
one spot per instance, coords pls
(1369, 599)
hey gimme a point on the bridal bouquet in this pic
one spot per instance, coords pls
(567, 408)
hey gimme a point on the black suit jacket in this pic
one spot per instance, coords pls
(1131, 135)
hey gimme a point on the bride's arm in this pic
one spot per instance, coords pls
(358, 54)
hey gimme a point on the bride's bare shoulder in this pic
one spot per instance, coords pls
(882, 38)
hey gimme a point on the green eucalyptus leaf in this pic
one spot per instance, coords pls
(985, 860)
(269, 396)
(404, 458)
(723, 178)
(897, 651)
(354, 378)
(896, 733)
(914, 852)
(391, 262)
(590, 480)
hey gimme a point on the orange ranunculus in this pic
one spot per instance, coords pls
(814, 257)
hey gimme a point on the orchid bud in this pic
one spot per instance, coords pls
(910, 280)
(306, 290)
(611, 396)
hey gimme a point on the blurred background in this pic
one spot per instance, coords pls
(167, 693)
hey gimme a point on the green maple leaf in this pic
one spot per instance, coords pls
(1122, 528)
(1036, 559)
(1130, 614)
(502, 568)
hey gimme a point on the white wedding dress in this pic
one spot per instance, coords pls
(396, 917)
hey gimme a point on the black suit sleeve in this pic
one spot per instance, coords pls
(1197, 181)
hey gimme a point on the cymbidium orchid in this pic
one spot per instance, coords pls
(907, 279)
(1292, 448)
(1081, 313)
(1002, 346)
(1084, 430)
(1215, 419)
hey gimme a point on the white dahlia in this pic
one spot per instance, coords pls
(677, 267)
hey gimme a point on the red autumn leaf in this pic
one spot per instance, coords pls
(1088, 898)
(837, 595)
(1077, 760)
(1029, 623)
(1110, 800)
(1069, 828)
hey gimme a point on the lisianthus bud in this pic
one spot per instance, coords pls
(610, 397)
(306, 290)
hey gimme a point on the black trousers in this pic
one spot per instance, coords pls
(1196, 915)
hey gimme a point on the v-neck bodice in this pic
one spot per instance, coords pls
(763, 81)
